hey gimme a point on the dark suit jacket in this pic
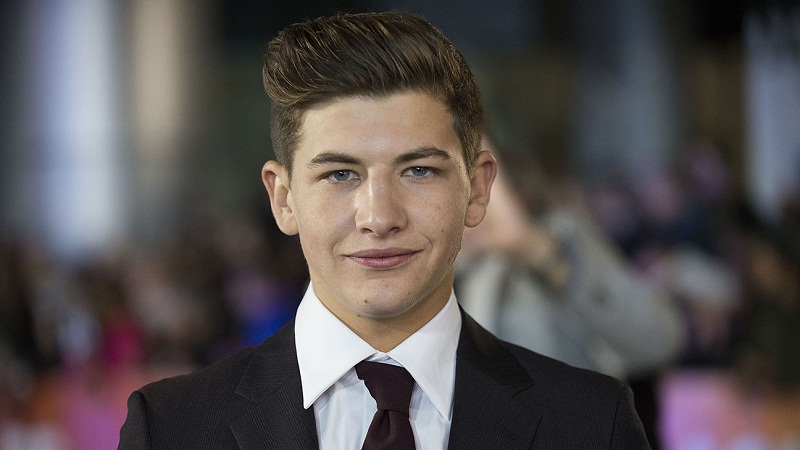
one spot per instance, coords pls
(505, 397)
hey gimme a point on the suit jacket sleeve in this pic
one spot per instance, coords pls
(628, 432)
(135, 433)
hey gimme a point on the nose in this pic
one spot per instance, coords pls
(379, 207)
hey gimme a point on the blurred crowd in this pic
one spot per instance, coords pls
(735, 277)
(686, 232)
(94, 331)
(691, 231)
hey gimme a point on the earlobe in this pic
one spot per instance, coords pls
(276, 181)
(480, 187)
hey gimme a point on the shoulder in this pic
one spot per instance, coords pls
(580, 406)
(226, 376)
(553, 375)
(514, 365)
(575, 408)
(217, 379)
(196, 409)
(191, 409)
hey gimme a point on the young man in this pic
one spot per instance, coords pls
(376, 126)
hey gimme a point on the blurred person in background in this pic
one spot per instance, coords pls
(680, 239)
(770, 348)
(539, 273)
(22, 360)
(265, 277)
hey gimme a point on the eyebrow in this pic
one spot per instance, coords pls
(422, 153)
(332, 158)
(413, 155)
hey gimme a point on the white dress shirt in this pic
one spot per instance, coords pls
(327, 350)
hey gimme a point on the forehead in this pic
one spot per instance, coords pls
(396, 122)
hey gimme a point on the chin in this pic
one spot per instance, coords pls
(386, 308)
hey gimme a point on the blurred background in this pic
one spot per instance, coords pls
(136, 240)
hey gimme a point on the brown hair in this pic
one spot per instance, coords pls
(366, 54)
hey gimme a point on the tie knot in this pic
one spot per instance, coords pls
(389, 385)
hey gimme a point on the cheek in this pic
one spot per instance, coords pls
(450, 222)
(322, 220)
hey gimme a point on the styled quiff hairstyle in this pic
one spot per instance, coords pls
(371, 55)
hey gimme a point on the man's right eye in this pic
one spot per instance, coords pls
(341, 175)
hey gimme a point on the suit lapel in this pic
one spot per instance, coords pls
(491, 403)
(277, 419)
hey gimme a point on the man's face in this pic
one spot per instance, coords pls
(379, 195)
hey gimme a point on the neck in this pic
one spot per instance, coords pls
(384, 337)
(386, 333)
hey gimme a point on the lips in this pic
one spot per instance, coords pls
(388, 258)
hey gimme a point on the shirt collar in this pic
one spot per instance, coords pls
(327, 350)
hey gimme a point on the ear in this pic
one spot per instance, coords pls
(480, 186)
(276, 181)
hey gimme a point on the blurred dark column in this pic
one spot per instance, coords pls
(476, 26)
(628, 113)
(10, 53)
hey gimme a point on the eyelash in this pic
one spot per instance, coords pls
(330, 175)
(429, 171)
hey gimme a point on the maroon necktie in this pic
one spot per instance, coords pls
(391, 388)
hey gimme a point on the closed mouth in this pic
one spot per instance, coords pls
(382, 258)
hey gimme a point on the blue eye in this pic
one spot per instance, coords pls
(341, 175)
(420, 171)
